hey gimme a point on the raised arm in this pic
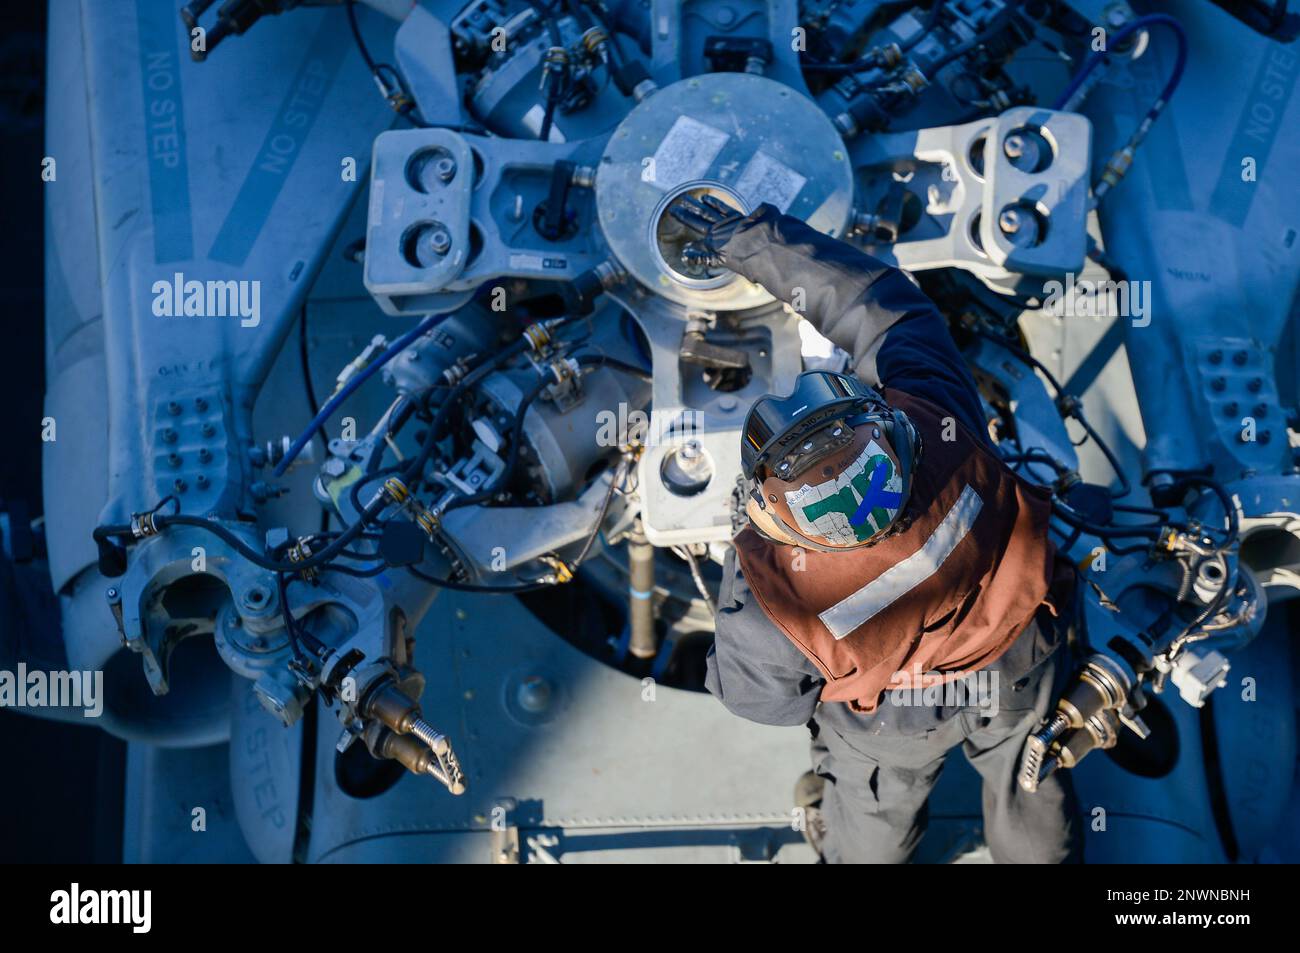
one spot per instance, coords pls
(892, 331)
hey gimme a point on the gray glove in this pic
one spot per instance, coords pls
(713, 221)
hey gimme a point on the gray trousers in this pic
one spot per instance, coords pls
(877, 781)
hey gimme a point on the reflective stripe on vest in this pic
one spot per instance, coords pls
(900, 579)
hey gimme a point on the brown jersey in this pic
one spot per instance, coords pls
(943, 597)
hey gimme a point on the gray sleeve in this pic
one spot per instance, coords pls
(753, 669)
(893, 333)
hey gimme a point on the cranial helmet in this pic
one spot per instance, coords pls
(829, 466)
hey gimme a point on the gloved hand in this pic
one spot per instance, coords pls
(714, 221)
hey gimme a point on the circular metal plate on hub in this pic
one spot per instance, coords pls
(746, 138)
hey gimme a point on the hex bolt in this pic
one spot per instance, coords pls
(173, 408)
(446, 168)
(1009, 221)
(174, 459)
(1014, 146)
(179, 485)
(207, 430)
(201, 481)
(1218, 383)
(440, 241)
(205, 455)
(168, 435)
(1239, 358)
(201, 404)
(255, 598)
(1255, 384)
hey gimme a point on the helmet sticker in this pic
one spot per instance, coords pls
(855, 506)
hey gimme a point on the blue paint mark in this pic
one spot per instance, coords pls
(876, 495)
(1257, 129)
(164, 125)
(283, 143)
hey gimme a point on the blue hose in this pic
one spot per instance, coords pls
(1154, 19)
(401, 344)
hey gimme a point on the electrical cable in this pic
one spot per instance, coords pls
(553, 89)
(512, 459)
(1071, 407)
(469, 587)
(1118, 164)
(614, 482)
(400, 100)
(996, 26)
(619, 475)
(616, 52)
(697, 576)
(870, 62)
(1097, 56)
(312, 403)
(516, 433)
(401, 344)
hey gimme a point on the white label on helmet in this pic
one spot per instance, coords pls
(854, 506)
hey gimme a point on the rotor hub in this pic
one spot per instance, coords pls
(744, 139)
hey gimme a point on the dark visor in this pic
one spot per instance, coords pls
(818, 397)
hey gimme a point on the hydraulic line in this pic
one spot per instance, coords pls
(346, 391)
(1077, 90)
